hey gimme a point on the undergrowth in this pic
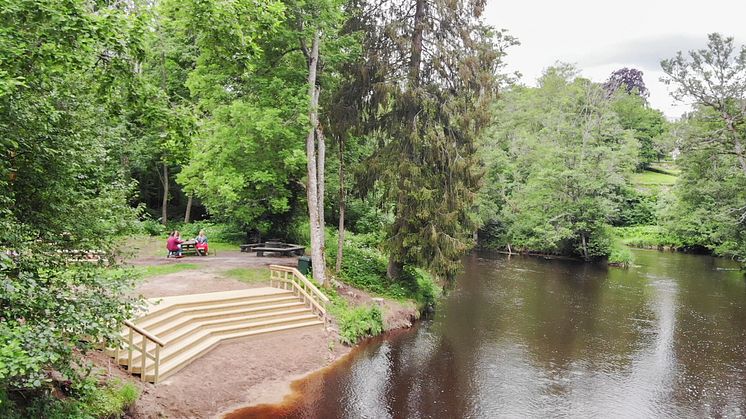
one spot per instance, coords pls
(355, 323)
(364, 267)
(86, 400)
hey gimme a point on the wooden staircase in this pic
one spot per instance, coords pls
(177, 330)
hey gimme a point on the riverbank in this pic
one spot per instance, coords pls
(247, 371)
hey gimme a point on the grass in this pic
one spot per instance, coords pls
(649, 178)
(666, 168)
(248, 275)
(645, 236)
(157, 270)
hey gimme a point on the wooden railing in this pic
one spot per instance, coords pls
(288, 277)
(143, 350)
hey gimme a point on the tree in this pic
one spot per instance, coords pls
(628, 79)
(648, 124)
(713, 155)
(61, 184)
(715, 78)
(430, 74)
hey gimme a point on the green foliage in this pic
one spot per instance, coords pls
(300, 233)
(62, 188)
(636, 208)
(620, 255)
(153, 228)
(426, 118)
(358, 323)
(648, 125)
(355, 323)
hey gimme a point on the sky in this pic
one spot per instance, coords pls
(602, 36)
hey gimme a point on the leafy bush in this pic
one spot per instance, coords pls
(300, 233)
(620, 255)
(152, 228)
(359, 323)
(354, 323)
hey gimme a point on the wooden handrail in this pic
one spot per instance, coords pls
(144, 333)
(296, 273)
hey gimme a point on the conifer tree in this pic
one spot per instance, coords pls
(430, 74)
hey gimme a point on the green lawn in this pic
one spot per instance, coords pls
(157, 270)
(248, 275)
(648, 178)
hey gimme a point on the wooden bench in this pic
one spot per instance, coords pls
(248, 248)
(285, 251)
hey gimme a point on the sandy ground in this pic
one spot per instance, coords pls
(246, 371)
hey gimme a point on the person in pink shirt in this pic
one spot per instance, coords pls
(173, 244)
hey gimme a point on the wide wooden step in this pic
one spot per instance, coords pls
(173, 318)
(190, 325)
(177, 363)
(186, 345)
(159, 307)
(186, 330)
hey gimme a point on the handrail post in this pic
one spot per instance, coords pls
(129, 350)
(143, 356)
(157, 363)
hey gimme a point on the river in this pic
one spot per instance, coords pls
(531, 337)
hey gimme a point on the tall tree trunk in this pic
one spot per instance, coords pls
(585, 247)
(188, 210)
(164, 206)
(341, 229)
(312, 191)
(417, 34)
(320, 167)
(394, 268)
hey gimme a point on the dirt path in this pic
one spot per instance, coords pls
(237, 373)
(209, 277)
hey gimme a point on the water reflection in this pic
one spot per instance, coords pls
(527, 337)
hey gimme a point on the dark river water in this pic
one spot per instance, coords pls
(529, 337)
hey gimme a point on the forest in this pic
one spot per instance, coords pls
(358, 127)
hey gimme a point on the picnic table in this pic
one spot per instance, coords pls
(190, 247)
(285, 249)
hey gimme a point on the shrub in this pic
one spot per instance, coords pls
(152, 228)
(620, 255)
(354, 323)
(359, 323)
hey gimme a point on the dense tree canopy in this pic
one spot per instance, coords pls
(558, 162)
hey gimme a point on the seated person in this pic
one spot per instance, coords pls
(201, 245)
(173, 244)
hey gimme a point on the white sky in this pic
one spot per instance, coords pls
(602, 36)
